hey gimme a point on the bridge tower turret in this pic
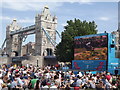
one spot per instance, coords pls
(43, 46)
(13, 42)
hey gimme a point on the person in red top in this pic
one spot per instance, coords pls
(108, 76)
(76, 88)
(57, 66)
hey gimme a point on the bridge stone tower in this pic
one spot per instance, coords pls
(45, 38)
(13, 42)
(43, 45)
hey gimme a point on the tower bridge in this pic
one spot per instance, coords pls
(45, 39)
(24, 30)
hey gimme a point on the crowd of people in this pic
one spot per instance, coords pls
(49, 78)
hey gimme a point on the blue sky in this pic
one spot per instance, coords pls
(105, 14)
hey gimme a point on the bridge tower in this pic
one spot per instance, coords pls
(13, 42)
(43, 46)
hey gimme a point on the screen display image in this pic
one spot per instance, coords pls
(91, 48)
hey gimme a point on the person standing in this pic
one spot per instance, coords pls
(37, 85)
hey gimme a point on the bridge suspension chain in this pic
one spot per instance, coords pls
(3, 43)
(50, 37)
(53, 42)
(58, 34)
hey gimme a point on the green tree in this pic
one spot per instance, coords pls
(65, 49)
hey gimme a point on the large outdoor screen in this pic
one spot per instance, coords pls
(91, 47)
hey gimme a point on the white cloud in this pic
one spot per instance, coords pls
(24, 5)
(80, 1)
(60, 1)
(64, 24)
(26, 20)
(9, 19)
(5, 18)
(104, 18)
(28, 5)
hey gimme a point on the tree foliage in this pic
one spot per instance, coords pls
(65, 49)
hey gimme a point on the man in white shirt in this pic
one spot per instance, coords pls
(53, 86)
(79, 82)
